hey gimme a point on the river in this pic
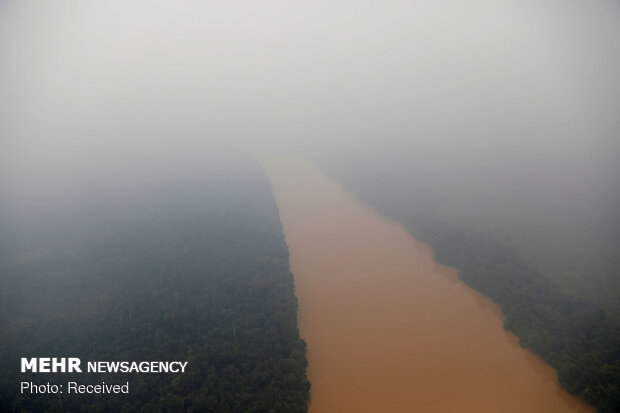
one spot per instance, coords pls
(388, 329)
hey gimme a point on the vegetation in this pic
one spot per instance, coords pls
(192, 269)
(571, 333)
(567, 233)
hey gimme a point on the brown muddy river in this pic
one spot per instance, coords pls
(389, 329)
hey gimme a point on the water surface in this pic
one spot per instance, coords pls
(389, 329)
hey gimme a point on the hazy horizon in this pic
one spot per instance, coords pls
(481, 82)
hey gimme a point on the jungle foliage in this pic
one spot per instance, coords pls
(190, 269)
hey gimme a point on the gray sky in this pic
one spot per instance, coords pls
(83, 82)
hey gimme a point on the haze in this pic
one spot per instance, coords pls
(531, 81)
(492, 96)
(488, 130)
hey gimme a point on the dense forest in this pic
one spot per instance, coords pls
(568, 331)
(154, 266)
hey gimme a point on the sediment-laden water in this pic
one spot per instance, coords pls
(389, 329)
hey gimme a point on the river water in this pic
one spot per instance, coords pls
(389, 329)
